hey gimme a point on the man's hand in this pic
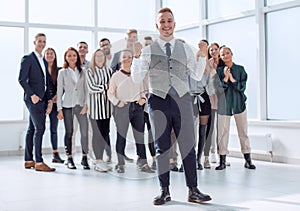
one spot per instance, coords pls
(35, 99)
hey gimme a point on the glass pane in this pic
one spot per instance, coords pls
(69, 12)
(10, 58)
(127, 14)
(190, 36)
(272, 2)
(220, 8)
(9, 11)
(240, 36)
(185, 12)
(282, 64)
(60, 40)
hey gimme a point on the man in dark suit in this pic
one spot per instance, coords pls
(34, 78)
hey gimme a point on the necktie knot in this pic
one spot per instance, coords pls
(168, 49)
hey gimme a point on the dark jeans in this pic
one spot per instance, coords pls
(131, 113)
(53, 126)
(101, 138)
(83, 125)
(35, 131)
(177, 113)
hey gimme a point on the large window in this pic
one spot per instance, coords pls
(127, 14)
(282, 64)
(11, 43)
(272, 2)
(11, 12)
(66, 12)
(185, 12)
(191, 36)
(221, 8)
(242, 41)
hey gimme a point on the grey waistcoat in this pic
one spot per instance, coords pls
(163, 74)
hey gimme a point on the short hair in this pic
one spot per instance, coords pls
(130, 31)
(147, 38)
(104, 39)
(204, 40)
(82, 42)
(165, 9)
(39, 35)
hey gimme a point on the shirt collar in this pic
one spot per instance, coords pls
(38, 55)
(163, 42)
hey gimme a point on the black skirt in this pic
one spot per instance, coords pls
(205, 106)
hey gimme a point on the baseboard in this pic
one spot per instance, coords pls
(266, 157)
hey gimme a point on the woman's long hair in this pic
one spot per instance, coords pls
(54, 68)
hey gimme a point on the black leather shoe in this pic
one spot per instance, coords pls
(222, 163)
(56, 158)
(181, 169)
(196, 196)
(173, 167)
(163, 197)
(248, 163)
(70, 163)
(84, 163)
(128, 159)
(199, 166)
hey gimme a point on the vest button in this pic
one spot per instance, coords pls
(170, 68)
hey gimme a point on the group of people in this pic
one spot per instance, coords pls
(162, 84)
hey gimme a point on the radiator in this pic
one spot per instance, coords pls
(260, 144)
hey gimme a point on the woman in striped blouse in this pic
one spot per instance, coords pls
(100, 108)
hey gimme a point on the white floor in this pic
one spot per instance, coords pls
(272, 186)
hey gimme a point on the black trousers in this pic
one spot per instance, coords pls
(177, 113)
(150, 136)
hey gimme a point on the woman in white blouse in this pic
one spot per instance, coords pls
(128, 99)
(100, 108)
(72, 100)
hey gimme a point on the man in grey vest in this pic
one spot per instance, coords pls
(170, 64)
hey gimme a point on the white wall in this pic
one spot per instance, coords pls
(285, 138)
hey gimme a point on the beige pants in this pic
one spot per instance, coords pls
(224, 128)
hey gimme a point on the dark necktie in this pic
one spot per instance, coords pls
(168, 49)
(172, 91)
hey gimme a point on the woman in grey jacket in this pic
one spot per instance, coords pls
(72, 97)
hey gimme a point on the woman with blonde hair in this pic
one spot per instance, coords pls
(98, 76)
(232, 102)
